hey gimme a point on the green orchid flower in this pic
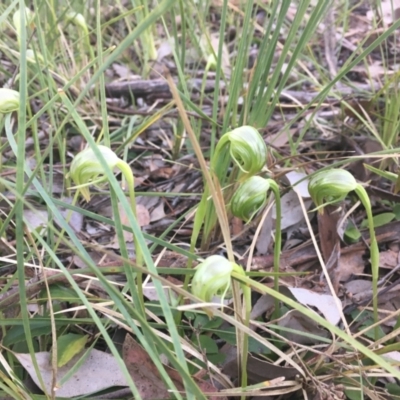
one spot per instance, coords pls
(246, 147)
(213, 277)
(9, 100)
(248, 199)
(86, 169)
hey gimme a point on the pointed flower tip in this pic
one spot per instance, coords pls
(213, 277)
(9, 100)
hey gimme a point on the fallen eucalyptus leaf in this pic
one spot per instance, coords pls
(92, 376)
(325, 303)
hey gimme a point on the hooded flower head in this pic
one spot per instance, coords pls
(332, 186)
(246, 147)
(86, 168)
(9, 100)
(250, 197)
(213, 277)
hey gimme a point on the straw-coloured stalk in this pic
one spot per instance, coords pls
(328, 187)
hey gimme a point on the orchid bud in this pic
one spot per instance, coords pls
(213, 277)
(250, 197)
(86, 168)
(9, 100)
(331, 187)
(246, 147)
(77, 19)
(206, 46)
(29, 17)
(30, 57)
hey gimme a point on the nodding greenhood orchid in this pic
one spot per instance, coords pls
(246, 147)
(86, 169)
(249, 198)
(332, 186)
(78, 20)
(213, 277)
(9, 100)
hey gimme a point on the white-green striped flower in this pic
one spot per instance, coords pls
(86, 169)
(332, 186)
(213, 277)
(9, 100)
(246, 147)
(250, 197)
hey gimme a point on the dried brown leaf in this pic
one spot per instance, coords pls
(146, 376)
(351, 264)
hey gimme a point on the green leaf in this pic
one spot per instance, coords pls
(380, 220)
(352, 234)
(203, 322)
(207, 344)
(216, 358)
(384, 174)
(37, 328)
(60, 293)
(393, 389)
(396, 211)
(68, 346)
(354, 394)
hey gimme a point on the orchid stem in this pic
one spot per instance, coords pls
(374, 252)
